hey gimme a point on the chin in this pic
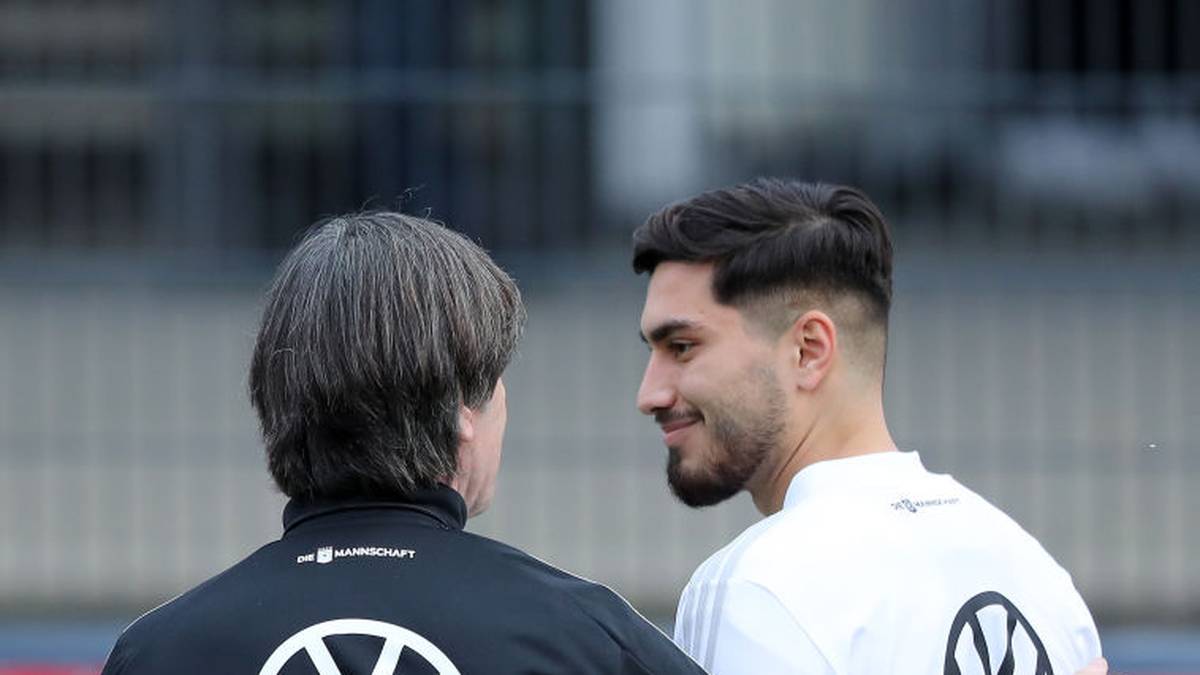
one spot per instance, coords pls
(699, 496)
(698, 487)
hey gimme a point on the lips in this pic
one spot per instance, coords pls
(674, 429)
(675, 425)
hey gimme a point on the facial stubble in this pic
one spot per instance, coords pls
(746, 427)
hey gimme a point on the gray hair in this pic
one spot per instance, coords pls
(377, 327)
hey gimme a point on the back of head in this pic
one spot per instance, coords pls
(772, 239)
(377, 327)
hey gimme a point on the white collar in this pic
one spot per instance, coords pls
(873, 469)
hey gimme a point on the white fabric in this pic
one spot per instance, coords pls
(864, 571)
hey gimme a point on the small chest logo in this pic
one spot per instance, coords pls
(325, 554)
(912, 506)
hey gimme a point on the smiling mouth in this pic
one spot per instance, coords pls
(671, 430)
(678, 424)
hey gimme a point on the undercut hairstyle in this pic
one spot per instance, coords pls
(377, 327)
(773, 238)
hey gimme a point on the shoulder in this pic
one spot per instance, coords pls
(794, 543)
(537, 609)
(734, 615)
(764, 562)
(598, 611)
(169, 626)
(160, 629)
(790, 566)
(978, 525)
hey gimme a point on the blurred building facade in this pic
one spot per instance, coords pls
(1040, 162)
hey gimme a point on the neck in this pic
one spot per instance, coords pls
(848, 430)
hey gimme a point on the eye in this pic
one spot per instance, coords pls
(680, 347)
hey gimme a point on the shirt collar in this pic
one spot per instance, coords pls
(880, 468)
(442, 504)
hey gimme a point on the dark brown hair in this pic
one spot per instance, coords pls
(772, 235)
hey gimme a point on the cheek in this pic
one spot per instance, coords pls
(497, 441)
(705, 382)
(501, 420)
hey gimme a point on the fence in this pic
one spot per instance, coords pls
(1040, 162)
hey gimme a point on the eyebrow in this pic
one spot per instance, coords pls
(666, 329)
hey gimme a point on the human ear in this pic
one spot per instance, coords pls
(466, 425)
(464, 452)
(814, 343)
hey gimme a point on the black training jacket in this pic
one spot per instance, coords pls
(382, 588)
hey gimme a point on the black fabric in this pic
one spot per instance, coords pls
(409, 573)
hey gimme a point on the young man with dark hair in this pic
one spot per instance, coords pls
(376, 378)
(766, 317)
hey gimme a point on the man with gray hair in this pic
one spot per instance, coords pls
(376, 377)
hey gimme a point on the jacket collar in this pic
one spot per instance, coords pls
(441, 504)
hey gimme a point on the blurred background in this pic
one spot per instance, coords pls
(1039, 161)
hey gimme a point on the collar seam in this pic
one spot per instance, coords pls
(444, 522)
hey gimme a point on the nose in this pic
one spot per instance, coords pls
(657, 391)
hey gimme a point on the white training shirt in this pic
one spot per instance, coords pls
(877, 566)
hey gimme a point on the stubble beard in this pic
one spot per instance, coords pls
(745, 430)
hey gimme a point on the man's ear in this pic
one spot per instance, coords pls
(466, 436)
(814, 344)
(466, 425)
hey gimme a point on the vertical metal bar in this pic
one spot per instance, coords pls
(187, 161)
(470, 196)
(1103, 36)
(423, 131)
(378, 119)
(427, 161)
(201, 142)
(240, 204)
(562, 166)
(1084, 481)
(162, 184)
(1125, 369)
(1180, 374)
(179, 353)
(90, 414)
(138, 506)
(10, 439)
(1055, 35)
(1008, 36)
(47, 521)
(1187, 14)
(287, 143)
(69, 207)
(513, 206)
(336, 118)
(1148, 32)
(558, 155)
(26, 190)
(116, 215)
